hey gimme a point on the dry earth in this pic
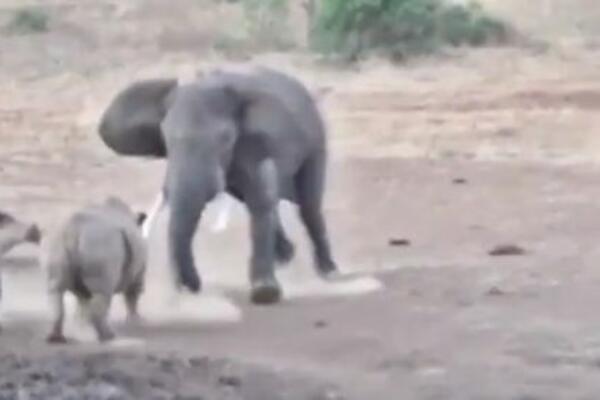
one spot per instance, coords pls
(448, 158)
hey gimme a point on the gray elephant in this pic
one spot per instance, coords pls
(251, 131)
(98, 252)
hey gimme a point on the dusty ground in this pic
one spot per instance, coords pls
(456, 155)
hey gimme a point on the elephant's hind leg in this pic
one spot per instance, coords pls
(284, 247)
(310, 182)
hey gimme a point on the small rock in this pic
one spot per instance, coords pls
(507, 250)
(40, 376)
(199, 361)
(230, 380)
(399, 242)
(321, 324)
(506, 132)
(459, 181)
(7, 386)
(156, 383)
(167, 365)
(495, 291)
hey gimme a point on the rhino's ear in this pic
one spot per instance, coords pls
(131, 124)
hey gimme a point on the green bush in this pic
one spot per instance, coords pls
(401, 28)
(28, 20)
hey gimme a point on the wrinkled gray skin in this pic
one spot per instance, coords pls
(97, 253)
(253, 132)
(14, 232)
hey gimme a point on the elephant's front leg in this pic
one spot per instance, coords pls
(261, 196)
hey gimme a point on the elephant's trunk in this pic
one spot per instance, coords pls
(187, 198)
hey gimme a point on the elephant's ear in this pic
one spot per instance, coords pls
(131, 124)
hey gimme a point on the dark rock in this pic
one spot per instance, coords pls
(398, 242)
(167, 365)
(495, 291)
(230, 380)
(459, 181)
(199, 361)
(321, 324)
(507, 250)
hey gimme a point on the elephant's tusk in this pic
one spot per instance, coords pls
(153, 214)
(221, 221)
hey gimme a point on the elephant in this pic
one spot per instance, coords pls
(250, 131)
(98, 252)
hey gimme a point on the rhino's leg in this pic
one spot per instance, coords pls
(99, 307)
(57, 305)
(132, 296)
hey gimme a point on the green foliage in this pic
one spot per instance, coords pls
(401, 28)
(28, 21)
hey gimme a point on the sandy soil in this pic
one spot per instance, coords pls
(434, 165)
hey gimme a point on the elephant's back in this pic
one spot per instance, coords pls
(281, 107)
(292, 97)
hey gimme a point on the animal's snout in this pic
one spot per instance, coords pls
(33, 234)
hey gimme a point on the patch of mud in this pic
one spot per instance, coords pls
(126, 376)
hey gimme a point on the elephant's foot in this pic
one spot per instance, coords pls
(135, 322)
(265, 291)
(284, 251)
(56, 338)
(105, 335)
(328, 270)
(191, 282)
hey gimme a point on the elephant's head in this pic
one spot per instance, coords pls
(196, 127)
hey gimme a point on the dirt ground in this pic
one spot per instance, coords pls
(435, 165)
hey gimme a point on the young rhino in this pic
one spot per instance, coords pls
(97, 253)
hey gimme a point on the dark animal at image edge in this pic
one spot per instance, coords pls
(14, 232)
(253, 132)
